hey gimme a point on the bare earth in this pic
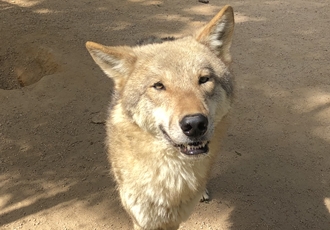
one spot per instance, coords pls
(274, 170)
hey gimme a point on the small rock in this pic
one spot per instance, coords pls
(99, 118)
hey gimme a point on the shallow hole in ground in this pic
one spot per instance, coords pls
(23, 66)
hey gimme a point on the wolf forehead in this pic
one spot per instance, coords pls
(185, 58)
(179, 52)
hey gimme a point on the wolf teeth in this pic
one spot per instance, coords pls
(193, 146)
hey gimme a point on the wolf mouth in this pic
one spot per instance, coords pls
(191, 148)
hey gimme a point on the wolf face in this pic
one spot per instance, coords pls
(181, 95)
(177, 90)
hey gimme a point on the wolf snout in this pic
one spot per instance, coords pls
(194, 125)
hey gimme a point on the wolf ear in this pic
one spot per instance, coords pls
(116, 62)
(217, 34)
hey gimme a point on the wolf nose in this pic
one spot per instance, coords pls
(194, 125)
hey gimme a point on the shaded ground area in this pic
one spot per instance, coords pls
(274, 170)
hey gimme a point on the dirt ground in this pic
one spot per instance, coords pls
(274, 169)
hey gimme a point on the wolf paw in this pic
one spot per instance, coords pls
(205, 196)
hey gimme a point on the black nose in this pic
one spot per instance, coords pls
(194, 125)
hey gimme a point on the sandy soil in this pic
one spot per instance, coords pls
(274, 170)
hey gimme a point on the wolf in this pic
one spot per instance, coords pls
(168, 115)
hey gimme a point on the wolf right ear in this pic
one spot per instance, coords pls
(217, 34)
(116, 62)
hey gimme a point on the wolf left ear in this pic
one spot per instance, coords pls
(116, 62)
(217, 34)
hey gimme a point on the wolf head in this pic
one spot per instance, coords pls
(178, 90)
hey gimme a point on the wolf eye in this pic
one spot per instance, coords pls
(203, 80)
(159, 86)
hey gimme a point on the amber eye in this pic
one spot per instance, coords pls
(203, 80)
(159, 86)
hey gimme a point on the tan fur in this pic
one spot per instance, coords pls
(158, 184)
